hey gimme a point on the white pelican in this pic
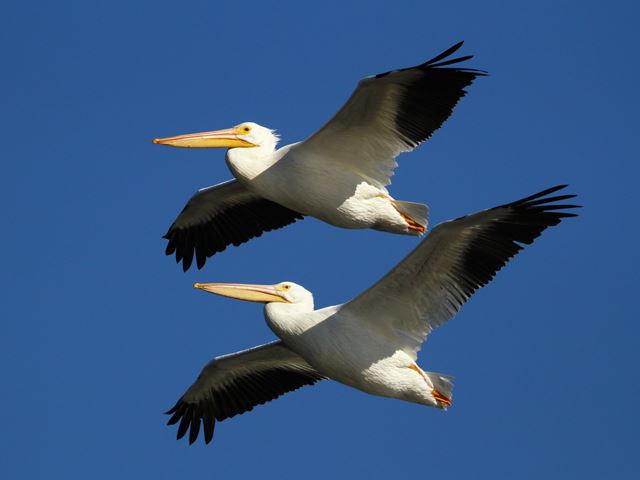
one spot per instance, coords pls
(338, 175)
(371, 342)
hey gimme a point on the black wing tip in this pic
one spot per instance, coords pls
(456, 47)
(515, 225)
(190, 422)
(194, 416)
(201, 243)
(172, 410)
(530, 216)
(543, 201)
(545, 192)
(439, 61)
(444, 54)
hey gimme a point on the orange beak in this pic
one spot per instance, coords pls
(228, 138)
(251, 293)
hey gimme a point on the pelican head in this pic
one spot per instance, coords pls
(283, 292)
(245, 135)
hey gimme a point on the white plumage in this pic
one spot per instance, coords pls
(371, 342)
(339, 174)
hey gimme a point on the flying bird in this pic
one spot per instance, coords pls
(338, 175)
(371, 342)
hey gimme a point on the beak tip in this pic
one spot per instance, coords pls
(197, 285)
(155, 140)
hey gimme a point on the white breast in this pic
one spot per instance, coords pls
(346, 350)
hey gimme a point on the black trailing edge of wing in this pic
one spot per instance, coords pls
(234, 398)
(517, 223)
(428, 101)
(235, 225)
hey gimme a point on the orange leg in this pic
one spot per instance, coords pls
(436, 394)
(440, 397)
(411, 225)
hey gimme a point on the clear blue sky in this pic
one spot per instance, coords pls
(101, 332)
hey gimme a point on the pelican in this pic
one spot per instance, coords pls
(371, 342)
(338, 175)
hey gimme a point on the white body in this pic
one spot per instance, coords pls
(299, 182)
(339, 174)
(371, 342)
(342, 347)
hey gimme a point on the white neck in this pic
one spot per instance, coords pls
(248, 163)
(289, 318)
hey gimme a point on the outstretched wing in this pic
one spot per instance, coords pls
(388, 114)
(457, 258)
(234, 384)
(219, 216)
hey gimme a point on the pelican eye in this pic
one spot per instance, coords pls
(286, 287)
(246, 129)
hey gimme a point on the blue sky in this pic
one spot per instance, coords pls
(101, 332)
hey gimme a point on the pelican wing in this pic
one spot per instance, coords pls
(457, 258)
(233, 384)
(388, 114)
(219, 216)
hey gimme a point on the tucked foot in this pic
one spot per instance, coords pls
(441, 386)
(414, 214)
(443, 402)
(411, 225)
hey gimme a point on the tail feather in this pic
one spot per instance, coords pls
(417, 212)
(443, 384)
